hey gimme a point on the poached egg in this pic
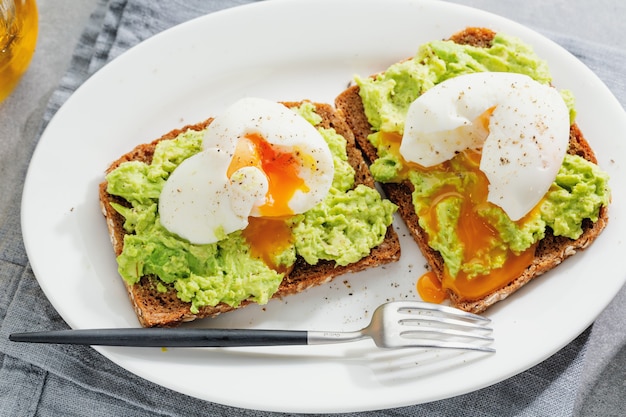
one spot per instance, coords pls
(521, 126)
(259, 159)
(512, 133)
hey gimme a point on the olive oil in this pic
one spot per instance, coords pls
(18, 37)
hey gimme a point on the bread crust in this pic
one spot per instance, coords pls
(164, 309)
(550, 252)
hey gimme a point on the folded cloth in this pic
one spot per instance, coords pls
(55, 380)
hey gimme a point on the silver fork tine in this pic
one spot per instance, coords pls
(445, 332)
(443, 320)
(408, 306)
(435, 344)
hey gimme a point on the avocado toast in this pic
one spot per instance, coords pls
(551, 247)
(160, 301)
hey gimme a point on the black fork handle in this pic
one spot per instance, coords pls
(162, 337)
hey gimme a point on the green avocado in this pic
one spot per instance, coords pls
(387, 96)
(342, 228)
(578, 192)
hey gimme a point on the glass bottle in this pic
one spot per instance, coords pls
(18, 37)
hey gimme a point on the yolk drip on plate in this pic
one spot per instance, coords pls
(474, 233)
(429, 288)
(269, 235)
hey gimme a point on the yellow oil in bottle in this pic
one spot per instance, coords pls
(18, 37)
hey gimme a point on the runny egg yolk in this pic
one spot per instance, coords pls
(429, 288)
(269, 235)
(474, 233)
(280, 168)
(481, 285)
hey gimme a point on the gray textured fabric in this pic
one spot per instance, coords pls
(51, 380)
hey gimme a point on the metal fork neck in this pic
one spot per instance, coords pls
(326, 337)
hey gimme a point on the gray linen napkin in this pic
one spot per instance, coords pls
(53, 380)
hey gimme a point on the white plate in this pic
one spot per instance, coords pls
(287, 50)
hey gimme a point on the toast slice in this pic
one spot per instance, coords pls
(550, 251)
(155, 307)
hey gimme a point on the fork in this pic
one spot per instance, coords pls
(396, 324)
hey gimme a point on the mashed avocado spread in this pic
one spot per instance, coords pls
(342, 228)
(578, 192)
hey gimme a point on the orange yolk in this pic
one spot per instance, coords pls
(475, 234)
(481, 285)
(269, 235)
(280, 168)
(429, 288)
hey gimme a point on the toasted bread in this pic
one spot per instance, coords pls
(165, 309)
(551, 250)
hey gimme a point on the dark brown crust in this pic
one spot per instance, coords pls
(550, 252)
(154, 308)
(476, 36)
